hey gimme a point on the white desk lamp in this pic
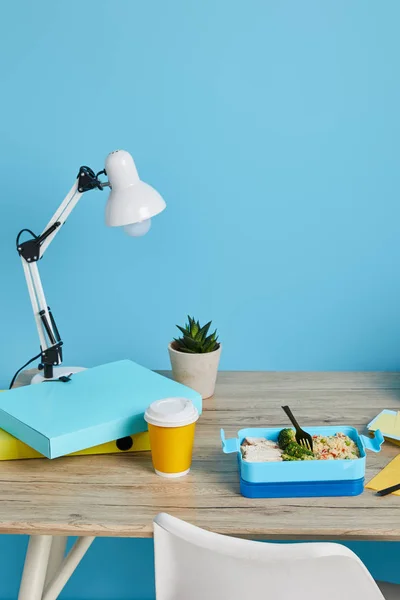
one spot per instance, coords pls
(131, 204)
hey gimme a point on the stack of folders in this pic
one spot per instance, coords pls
(12, 449)
(99, 411)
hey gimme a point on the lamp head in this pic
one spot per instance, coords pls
(132, 203)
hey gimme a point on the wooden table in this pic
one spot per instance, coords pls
(118, 495)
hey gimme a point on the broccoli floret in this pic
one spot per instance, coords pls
(287, 457)
(294, 451)
(286, 436)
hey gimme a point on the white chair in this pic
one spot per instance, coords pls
(193, 564)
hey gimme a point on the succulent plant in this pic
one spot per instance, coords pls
(195, 338)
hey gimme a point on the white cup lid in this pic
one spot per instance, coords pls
(171, 412)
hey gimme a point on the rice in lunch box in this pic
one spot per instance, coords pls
(333, 447)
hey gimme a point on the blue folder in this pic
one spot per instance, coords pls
(96, 406)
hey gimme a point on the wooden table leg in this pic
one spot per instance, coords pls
(54, 587)
(57, 555)
(47, 569)
(35, 567)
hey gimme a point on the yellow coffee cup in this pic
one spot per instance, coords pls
(172, 423)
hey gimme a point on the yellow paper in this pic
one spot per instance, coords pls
(389, 476)
(389, 424)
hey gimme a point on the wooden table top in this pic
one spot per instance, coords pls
(118, 495)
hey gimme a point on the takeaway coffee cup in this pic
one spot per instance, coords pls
(172, 423)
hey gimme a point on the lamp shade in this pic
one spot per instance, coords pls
(131, 200)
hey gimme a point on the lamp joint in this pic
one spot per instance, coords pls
(89, 180)
(30, 249)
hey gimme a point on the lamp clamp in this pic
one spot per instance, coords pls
(52, 355)
(50, 358)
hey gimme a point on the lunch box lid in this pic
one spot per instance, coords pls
(374, 444)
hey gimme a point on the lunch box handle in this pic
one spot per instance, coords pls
(374, 443)
(231, 445)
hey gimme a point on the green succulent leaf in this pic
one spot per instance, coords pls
(204, 330)
(190, 342)
(211, 346)
(182, 330)
(210, 338)
(187, 350)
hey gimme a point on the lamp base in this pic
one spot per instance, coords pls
(58, 372)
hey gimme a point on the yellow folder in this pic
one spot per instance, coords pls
(388, 422)
(11, 448)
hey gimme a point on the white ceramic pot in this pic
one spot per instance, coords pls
(197, 371)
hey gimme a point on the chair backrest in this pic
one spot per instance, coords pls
(193, 564)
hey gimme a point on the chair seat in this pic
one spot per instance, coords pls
(391, 591)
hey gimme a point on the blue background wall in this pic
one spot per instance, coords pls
(271, 129)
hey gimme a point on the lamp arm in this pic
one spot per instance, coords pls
(32, 250)
(50, 340)
(59, 218)
(87, 180)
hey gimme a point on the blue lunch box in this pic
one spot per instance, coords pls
(292, 479)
